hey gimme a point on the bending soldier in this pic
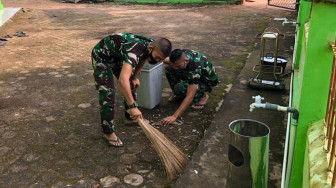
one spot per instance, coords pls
(123, 56)
(191, 77)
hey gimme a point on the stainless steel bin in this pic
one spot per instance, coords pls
(248, 154)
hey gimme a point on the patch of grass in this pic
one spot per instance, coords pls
(262, 25)
(216, 96)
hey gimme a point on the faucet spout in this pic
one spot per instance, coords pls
(257, 103)
(290, 22)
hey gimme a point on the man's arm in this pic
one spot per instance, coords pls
(191, 91)
(138, 69)
(124, 81)
(134, 79)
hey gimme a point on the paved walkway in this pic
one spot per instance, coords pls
(6, 14)
(209, 165)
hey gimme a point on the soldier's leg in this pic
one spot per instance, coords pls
(200, 92)
(180, 89)
(198, 96)
(105, 85)
(201, 97)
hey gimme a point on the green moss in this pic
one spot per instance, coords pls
(262, 25)
(216, 96)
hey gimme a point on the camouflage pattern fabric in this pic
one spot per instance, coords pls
(107, 59)
(115, 49)
(199, 71)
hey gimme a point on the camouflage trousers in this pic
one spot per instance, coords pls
(104, 83)
(178, 82)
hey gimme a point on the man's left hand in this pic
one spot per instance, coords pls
(136, 83)
(168, 120)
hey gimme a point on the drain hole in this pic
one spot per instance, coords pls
(235, 156)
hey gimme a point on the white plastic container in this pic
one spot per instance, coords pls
(150, 91)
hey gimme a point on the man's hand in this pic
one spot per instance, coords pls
(166, 61)
(168, 120)
(135, 113)
(136, 83)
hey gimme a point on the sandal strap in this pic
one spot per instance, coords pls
(112, 140)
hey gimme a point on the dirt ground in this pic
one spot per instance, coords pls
(49, 113)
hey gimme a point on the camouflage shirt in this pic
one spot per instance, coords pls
(115, 49)
(200, 70)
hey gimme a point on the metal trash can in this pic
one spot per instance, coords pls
(248, 154)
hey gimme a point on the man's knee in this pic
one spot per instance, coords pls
(180, 89)
(176, 89)
(198, 97)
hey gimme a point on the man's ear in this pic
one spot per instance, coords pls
(150, 47)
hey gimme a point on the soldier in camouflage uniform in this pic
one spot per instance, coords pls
(191, 76)
(123, 56)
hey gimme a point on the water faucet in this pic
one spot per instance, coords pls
(257, 104)
(290, 22)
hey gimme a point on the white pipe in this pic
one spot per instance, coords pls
(284, 164)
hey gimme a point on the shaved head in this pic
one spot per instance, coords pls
(163, 45)
(176, 55)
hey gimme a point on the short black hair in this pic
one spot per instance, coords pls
(165, 46)
(175, 55)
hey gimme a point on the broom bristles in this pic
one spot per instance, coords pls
(172, 157)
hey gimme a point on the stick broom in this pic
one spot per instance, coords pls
(172, 157)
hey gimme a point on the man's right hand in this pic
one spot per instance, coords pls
(166, 61)
(135, 113)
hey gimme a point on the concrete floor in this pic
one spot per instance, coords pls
(6, 14)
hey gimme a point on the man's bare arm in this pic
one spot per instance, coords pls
(191, 91)
(124, 81)
(138, 69)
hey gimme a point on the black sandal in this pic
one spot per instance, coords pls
(110, 141)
